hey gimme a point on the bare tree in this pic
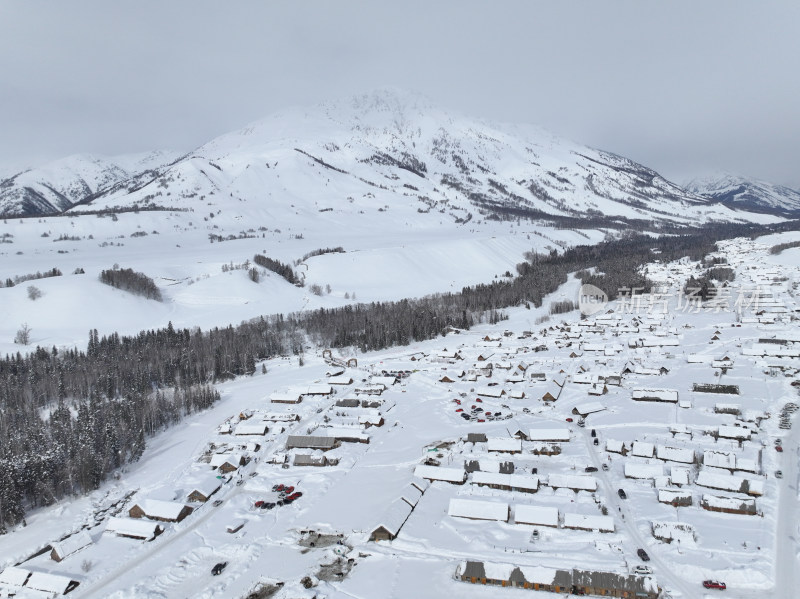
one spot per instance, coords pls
(34, 292)
(23, 336)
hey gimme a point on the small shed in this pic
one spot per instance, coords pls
(70, 545)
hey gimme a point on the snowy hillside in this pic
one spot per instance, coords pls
(389, 149)
(386, 149)
(59, 185)
(744, 193)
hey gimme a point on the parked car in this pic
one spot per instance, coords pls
(569, 419)
(258, 503)
(217, 502)
(714, 584)
(581, 423)
(643, 555)
(479, 400)
(778, 474)
(218, 568)
(596, 441)
(268, 505)
(465, 416)
(622, 494)
(535, 534)
(605, 467)
(460, 410)
(288, 490)
(594, 433)
(591, 469)
(277, 488)
(642, 570)
(779, 448)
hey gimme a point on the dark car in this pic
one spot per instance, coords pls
(714, 584)
(218, 568)
(643, 555)
(267, 505)
(594, 433)
(596, 441)
(465, 416)
(217, 502)
(622, 494)
(591, 469)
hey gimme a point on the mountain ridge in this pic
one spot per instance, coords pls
(388, 148)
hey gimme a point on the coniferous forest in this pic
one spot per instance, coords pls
(69, 418)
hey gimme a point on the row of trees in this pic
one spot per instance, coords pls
(279, 268)
(131, 281)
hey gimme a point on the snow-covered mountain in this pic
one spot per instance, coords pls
(745, 193)
(390, 149)
(59, 185)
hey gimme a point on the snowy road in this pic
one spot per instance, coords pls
(787, 530)
(666, 578)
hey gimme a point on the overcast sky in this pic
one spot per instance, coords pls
(684, 87)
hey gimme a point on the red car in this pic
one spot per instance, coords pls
(258, 503)
(278, 488)
(779, 448)
(714, 584)
(459, 410)
(481, 420)
(569, 419)
(294, 496)
(479, 400)
(288, 490)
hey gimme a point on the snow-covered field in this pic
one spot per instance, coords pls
(700, 448)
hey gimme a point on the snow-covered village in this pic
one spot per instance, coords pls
(347, 340)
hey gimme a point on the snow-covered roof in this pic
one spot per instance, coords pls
(573, 481)
(733, 432)
(590, 407)
(548, 434)
(729, 482)
(218, 459)
(164, 510)
(670, 495)
(319, 389)
(395, 516)
(497, 391)
(515, 481)
(675, 454)
(411, 494)
(49, 583)
(614, 445)
(504, 444)
(536, 514)
(340, 380)
(72, 544)
(478, 510)
(643, 471)
(132, 527)
(453, 475)
(251, 427)
(581, 521)
(679, 476)
(719, 459)
(729, 503)
(643, 449)
(14, 576)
